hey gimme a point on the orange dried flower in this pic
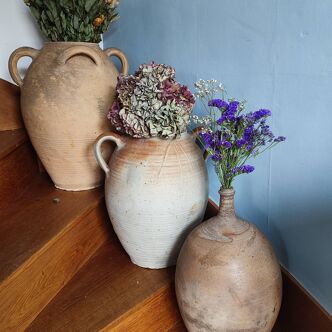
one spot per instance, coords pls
(99, 21)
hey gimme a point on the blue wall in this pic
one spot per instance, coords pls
(276, 54)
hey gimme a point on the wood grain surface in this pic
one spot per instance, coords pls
(10, 115)
(42, 245)
(111, 292)
(157, 313)
(18, 166)
(10, 140)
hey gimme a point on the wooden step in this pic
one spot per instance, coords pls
(10, 115)
(111, 294)
(44, 240)
(10, 140)
(18, 161)
(18, 166)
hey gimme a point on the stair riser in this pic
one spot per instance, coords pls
(33, 285)
(10, 114)
(17, 169)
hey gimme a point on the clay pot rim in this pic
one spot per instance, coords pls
(226, 191)
(158, 139)
(70, 42)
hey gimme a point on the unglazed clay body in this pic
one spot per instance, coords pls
(227, 275)
(156, 192)
(65, 96)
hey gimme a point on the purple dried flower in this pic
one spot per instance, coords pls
(262, 113)
(265, 130)
(233, 105)
(240, 142)
(220, 120)
(207, 140)
(248, 133)
(226, 144)
(280, 139)
(230, 115)
(249, 145)
(235, 135)
(219, 103)
(225, 136)
(239, 119)
(216, 157)
(247, 168)
(244, 169)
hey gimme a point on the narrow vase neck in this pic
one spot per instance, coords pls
(226, 206)
(226, 225)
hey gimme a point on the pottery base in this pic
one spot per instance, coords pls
(154, 266)
(70, 188)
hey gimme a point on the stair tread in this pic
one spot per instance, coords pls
(36, 219)
(106, 289)
(10, 140)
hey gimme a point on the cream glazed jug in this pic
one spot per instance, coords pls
(156, 192)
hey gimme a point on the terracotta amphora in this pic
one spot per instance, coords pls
(227, 275)
(156, 192)
(65, 96)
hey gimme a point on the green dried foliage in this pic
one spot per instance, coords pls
(74, 20)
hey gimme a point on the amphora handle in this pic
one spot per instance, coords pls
(119, 54)
(79, 50)
(119, 140)
(13, 61)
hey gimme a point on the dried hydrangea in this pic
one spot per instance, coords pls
(151, 103)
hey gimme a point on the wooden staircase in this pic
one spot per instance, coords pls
(61, 266)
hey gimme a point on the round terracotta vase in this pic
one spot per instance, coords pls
(227, 275)
(65, 96)
(156, 192)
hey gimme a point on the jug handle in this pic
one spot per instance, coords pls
(119, 140)
(119, 54)
(79, 50)
(15, 57)
(194, 135)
